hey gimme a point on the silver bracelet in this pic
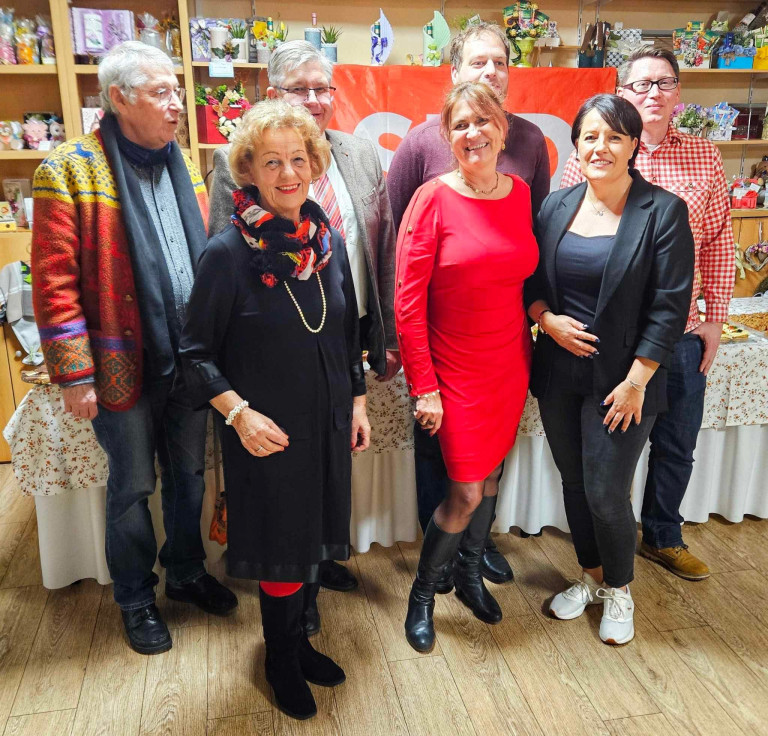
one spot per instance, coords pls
(436, 392)
(636, 386)
(235, 411)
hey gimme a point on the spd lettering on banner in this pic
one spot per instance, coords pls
(384, 103)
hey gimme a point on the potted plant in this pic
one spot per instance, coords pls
(219, 110)
(260, 37)
(692, 119)
(239, 33)
(277, 37)
(329, 42)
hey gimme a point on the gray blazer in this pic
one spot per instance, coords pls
(360, 168)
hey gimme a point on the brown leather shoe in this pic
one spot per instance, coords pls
(677, 560)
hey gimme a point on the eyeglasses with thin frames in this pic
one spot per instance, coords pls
(165, 95)
(643, 86)
(301, 94)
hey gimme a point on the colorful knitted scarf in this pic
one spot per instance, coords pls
(282, 248)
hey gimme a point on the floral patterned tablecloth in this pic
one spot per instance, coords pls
(52, 452)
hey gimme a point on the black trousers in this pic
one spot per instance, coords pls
(596, 468)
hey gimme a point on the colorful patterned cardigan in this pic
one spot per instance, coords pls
(83, 287)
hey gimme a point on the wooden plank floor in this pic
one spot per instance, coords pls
(699, 663)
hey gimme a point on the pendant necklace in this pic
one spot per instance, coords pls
(598, 212)
(479, 191)
(601, 212)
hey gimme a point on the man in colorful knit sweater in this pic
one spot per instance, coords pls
(692, 168)
(119, 225)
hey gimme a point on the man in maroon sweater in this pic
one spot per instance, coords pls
(479, 53)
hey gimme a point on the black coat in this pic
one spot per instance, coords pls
(646, 289)
(290, 510)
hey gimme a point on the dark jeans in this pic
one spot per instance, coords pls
(673, 440)
(596, 469)
(130, 438)
(431, 474)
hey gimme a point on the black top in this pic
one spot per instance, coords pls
(580, 263)
(645, 292)
(290, 510)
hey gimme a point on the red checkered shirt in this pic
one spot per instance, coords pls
(692, 168)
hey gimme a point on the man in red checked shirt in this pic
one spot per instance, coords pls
(691, 168)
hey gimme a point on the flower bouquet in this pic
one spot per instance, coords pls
(692, 119)
(219, 110)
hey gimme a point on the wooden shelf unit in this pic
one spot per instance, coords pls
(29, 69)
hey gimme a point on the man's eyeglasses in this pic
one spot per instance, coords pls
(165, 95)
(301, 94)
(641, 86)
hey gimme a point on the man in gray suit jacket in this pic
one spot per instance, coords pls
(301, 75)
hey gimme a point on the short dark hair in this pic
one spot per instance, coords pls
(476, 29)
(646, 52)
(619, 113)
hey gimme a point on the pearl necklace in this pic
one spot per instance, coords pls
(298, 308)
(479, 191)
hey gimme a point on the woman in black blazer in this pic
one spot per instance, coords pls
(610, 297)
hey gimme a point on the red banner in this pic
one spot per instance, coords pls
(384, 103)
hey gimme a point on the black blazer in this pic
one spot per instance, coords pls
(645, 294)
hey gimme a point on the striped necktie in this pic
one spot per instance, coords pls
(326, 198)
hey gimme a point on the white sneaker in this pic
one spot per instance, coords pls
(617, 625)
(572, 602)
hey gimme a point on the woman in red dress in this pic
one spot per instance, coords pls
(464, 249)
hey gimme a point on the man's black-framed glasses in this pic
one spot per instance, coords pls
(641, 86)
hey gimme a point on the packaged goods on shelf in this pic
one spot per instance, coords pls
(693, 46)
(94, 32)
(7, 48)
(7, 222)
(91, 117)
(14, 192)
(621, 43)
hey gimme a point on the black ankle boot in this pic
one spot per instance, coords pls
(494, 566)
(437, 550)
(280, 617)
(470, 588)
(310, 618)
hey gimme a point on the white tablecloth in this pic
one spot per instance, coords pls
(57, 459)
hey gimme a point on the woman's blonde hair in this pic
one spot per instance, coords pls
(274, 115)
(481, 98)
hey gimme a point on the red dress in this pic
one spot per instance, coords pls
(461, 324)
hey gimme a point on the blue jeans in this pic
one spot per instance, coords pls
(673, 440)
(130, 438)
(431, 474)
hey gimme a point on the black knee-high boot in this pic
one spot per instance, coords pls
(437, 550)
(467, 575)
(315, 666)
(281, 619)
(310, 619)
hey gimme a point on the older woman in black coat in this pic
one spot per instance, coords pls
(271, 341)
(611, 297)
